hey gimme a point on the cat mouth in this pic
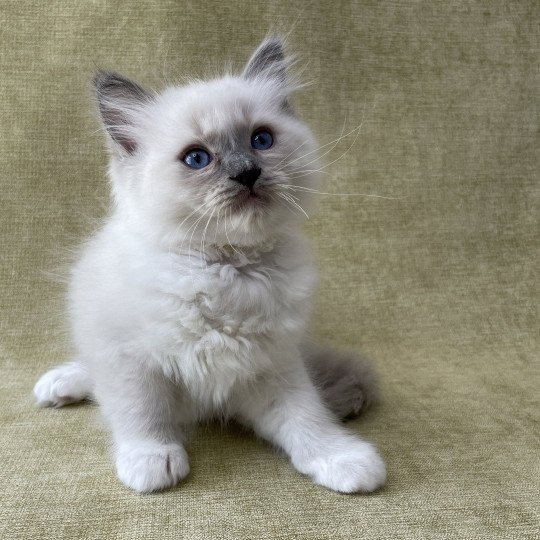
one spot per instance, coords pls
(249, 198)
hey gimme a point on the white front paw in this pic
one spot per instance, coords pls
(356, 467)
(147, 467)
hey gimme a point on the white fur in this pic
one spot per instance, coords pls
(62, 385)
(178, 320)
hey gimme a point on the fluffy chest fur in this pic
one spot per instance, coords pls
(209, 320)
(228, 316)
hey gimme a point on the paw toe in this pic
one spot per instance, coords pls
(152, 468)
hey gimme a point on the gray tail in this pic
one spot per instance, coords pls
(347, 382)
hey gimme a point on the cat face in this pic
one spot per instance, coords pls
(220, 162)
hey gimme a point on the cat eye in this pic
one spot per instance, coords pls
(197, 158)
(262, 139)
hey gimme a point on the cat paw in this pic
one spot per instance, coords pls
(151, 467)
(62, 385)
(358, 468)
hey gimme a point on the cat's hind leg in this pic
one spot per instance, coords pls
(345, 381)
(62, 385)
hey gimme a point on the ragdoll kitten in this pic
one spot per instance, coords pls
(193, 300)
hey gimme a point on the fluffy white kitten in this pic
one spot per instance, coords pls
(193, 300)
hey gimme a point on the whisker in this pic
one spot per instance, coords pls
(227, 233)
(288, 198)
(289, 155)
(217, 223)
(301, 173)
(204, 235)
(335, 142)
(357, 129)
(318, 149)
(315, 191)
(177, 228)
(189, 246)
(332, 162)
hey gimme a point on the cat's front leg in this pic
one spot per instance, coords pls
(147, 417)
(287, 411)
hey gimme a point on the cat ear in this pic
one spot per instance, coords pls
(119, 100)
(268, 61)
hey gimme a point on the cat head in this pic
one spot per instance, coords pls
(224, 161)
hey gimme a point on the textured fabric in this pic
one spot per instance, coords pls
(439, 287)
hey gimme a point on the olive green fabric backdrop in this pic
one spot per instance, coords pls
(439, 287)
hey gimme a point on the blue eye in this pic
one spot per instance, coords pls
(197, 158)
(261, 140)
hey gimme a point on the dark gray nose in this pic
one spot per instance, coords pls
(248, 177)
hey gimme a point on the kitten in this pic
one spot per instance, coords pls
(193, 299)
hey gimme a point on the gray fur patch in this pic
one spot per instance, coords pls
(346, 382)
(237, 162)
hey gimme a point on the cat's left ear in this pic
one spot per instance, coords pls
(268, 61)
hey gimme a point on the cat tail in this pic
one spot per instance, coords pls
(346, 382)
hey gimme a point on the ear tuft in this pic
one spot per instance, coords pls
(111, 84)
(268, 61)
(118, 99)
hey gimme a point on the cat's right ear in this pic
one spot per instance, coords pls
(120, 102)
